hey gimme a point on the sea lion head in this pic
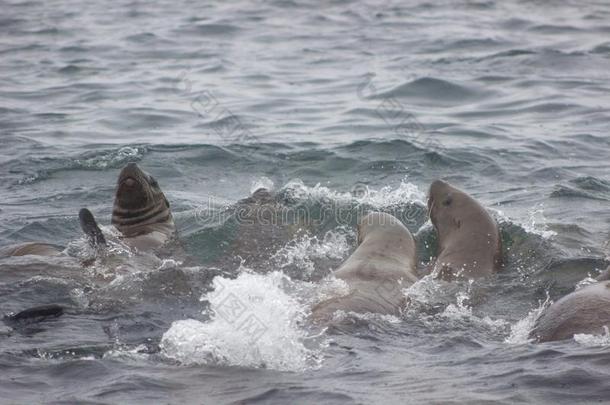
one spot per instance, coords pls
(468, 237)
(138, 199)
(378, 222)
(447, 206)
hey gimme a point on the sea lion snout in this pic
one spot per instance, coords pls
(440, 195)
(133, 188)
(138, 199)
(438, 186)
(131, 173)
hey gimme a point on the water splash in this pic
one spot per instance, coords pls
(302, 251)
(385, 197)
(253, 323)
(328, 288)
(520, 331)
(460, 309)
(389, 197)
(262, 182)
(425, 291)
(537, 223)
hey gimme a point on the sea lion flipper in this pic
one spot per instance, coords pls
(36, 314)
(91, 228)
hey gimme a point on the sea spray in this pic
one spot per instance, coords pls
(253, 323)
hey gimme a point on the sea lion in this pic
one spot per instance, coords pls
(141, 211)
(259, 225)
(381, 266)
(31, 248)
(586, 310)
(469, 243)
(35, 314)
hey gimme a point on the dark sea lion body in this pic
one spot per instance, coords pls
(262, 225)
(469, 243)
(381, 266)
(586, 310)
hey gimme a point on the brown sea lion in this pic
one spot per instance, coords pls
(469, 243)
(381, 266)
(141, 212)
(586, 310)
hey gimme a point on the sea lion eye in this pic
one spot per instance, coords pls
(447, 201)
(153, 182)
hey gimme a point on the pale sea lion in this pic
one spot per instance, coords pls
(31, 248)
(141, 211)
(586, 310)
(469, 243)
(381, 266)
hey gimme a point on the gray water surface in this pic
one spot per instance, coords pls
(509, 101)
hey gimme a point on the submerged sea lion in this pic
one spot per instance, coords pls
(383, 263)
(35, 314)
(586, 310)
(141, 212)
(469, 243)
(260, 225)
(31, 248)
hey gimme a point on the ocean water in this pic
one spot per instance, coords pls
(340, 107)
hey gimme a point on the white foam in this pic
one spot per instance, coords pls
(253, 323)
(585, 282)
(461, 310)
(328, 288)
(262, 182)
(388, 197)
(385, 197)
(135, 354)
(593, 340)
(426, 290)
